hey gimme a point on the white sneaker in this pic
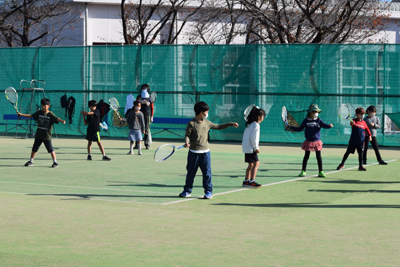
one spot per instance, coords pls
(130, 153)
(140, 153)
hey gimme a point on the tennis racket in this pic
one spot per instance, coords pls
(114, 105)
(153, 97)
(12, 97)
(346, 112)
(284, 118)
(248, 110)
(165, 151)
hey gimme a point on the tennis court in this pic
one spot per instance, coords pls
(126, 212)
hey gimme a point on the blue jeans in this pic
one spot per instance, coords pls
(194, 161)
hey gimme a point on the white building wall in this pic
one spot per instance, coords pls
(104, 24)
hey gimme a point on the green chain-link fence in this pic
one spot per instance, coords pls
(227, 77)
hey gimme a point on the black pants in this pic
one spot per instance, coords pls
(307, 156)
(38, 142)
(374, 146)
(351, 149)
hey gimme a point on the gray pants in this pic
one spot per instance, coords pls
(147, 134)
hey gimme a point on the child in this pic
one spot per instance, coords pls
(373, 123)
(148, 112)
(250, 147)
(199, 153)
(92, 134)
(357, 139)
(45, 120)
(135, 119)
(313, 142)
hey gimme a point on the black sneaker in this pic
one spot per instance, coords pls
(106, 158)
(362, 169)
(89, 157)
(340, 167)
(382, 162)
(254, 184)
(29, 163)
(246, 183)
(55, 165)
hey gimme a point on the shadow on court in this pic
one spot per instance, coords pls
(311, 205)
(165, 185)
(354, 191)
(349, 182)
(88, 196)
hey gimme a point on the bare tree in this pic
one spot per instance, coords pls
(317, 21)
(143, 23)
(224, 22)
(23, 22)
(219, 22)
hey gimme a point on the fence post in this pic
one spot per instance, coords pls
(383, 92)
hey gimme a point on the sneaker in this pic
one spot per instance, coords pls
(106, 158)
(29, 163)
(362, 168)
(89, 157)
(341, 166)
(140, 153)
(55, 165)
(321, 174)
(246, 183)
(364, 162)
(382, 162)
(302, 174)
(185, 194)
(148, 147)
(254, 184)
(130, 153)
(208, 195)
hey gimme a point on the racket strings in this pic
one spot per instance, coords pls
(163, 153)
(247, 111)
(12, 96)
(114, 104)
(344, 112)
(284, 114)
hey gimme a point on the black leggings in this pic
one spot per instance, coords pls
(374, 146)
(307, 156)
(351, 150)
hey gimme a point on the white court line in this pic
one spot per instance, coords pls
(83, 187)
(281, 182)
(80, 198)
(167, 203)
(63, 162)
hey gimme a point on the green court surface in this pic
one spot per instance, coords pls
(127, 212)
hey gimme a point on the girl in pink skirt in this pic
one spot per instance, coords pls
(312, 125)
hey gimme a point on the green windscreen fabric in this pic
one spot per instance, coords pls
(227, 77)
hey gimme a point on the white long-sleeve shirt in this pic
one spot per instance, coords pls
(251, 138)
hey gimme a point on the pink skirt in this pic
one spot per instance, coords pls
(312, 145)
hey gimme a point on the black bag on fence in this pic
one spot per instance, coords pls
(104, 108)
(70, 108)
(64, 103)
